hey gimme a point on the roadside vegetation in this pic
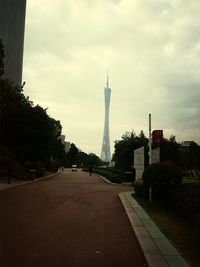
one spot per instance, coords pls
(31, 142)
(175, 206)
(30, 139)
(169, 151)
(179, 231)
(113, 175)
(175, 184)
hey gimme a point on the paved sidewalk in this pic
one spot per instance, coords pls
(5, 185)
(158, 250)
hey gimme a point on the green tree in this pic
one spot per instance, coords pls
(195, 154)
(82, 160)
(94, 160)
(169, 149)
(27, 131)
(124, 149)
(85, 160)
(72, 155)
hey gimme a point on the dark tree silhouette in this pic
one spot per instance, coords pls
(123, 155)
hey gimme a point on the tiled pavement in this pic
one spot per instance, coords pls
(158, 251)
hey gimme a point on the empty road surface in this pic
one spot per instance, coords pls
(70, 220)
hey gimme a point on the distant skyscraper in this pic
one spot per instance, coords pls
(12, 24)
(105, 151)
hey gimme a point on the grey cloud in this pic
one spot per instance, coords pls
(151, 47)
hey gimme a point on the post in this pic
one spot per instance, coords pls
(150, 156)
(150, 141)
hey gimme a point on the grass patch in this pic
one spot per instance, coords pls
(178, 231)
(191, 180)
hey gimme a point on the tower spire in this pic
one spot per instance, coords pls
(107, 78)
(105, 151)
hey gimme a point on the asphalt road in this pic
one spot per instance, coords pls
(70, 220)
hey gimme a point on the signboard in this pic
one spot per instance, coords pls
(157, 136)
(139, 162)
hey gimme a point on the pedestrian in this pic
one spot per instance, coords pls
(90, 170)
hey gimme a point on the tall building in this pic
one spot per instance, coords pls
(12, 25)
(105, 151)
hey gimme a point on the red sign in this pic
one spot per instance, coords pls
(157, 136)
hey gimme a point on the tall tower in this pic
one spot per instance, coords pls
(12, 24)
(105, 151)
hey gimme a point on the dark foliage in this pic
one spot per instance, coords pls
(91, 160)
(169, 149)
(82, 159)
(113, 175)
(27, 131)
(186, 202)
(190, 156)
(72, 156)
(163, 179)
(124, 150)
(10, 168)
(140, 189)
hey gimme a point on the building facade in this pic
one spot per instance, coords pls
(105, 151)
(12, 26)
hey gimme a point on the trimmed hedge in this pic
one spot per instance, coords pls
(163, 179)
(186, 202)
(183, 198)
(140, 189)
(113, 175)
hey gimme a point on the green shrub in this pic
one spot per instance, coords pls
(183, 198)
(112, 174)
(163, 179)
(9, 167)
(140, 189)
(186, 202)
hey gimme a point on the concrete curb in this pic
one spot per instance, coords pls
(109, 182)
(105, 180)
(9, 186)
(157, 249)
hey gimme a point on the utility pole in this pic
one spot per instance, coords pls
(150, 156)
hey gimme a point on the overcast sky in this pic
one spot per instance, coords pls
(152, 50)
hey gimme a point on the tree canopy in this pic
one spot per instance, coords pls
(124, 149)
(26, 130)
(82, 159)
(123, 155)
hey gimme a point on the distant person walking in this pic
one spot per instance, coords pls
(90, 170)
